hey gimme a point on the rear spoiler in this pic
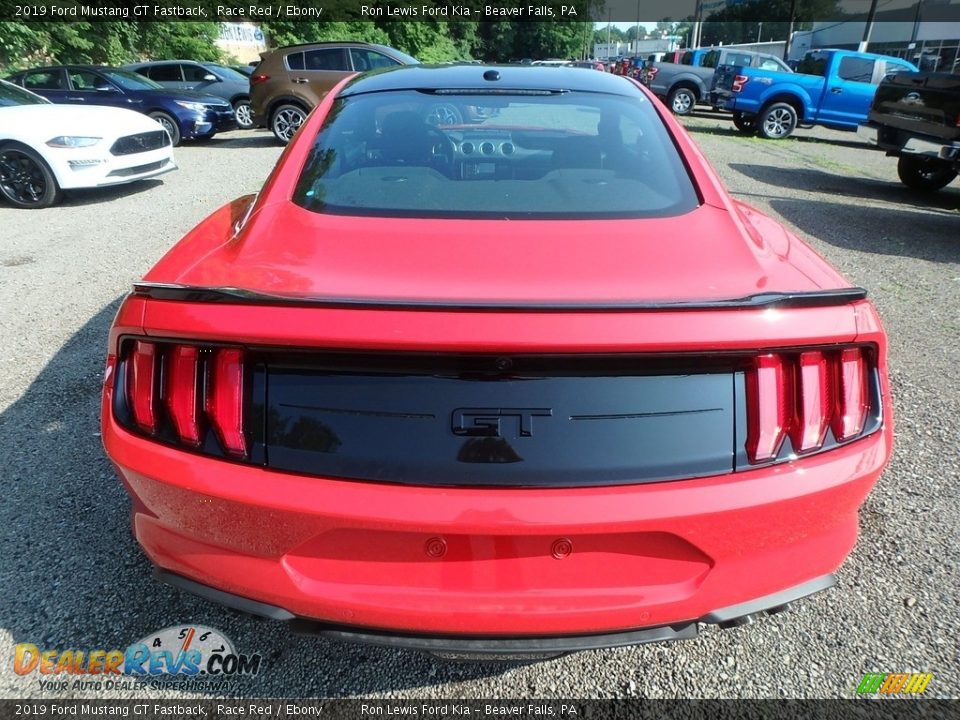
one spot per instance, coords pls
(238, 296)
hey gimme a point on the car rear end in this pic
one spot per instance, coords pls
(270, 80)
(493, 484)
(729, 88)
(489, 459)
(917, 114)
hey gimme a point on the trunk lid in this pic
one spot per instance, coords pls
(706, 255)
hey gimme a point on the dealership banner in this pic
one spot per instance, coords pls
(256, 11)
(288, 709)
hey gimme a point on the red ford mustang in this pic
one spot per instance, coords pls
(532, 382)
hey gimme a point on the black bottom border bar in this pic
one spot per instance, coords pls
(335, 709)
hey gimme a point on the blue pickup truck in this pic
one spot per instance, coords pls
(833, 88)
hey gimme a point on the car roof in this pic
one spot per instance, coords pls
(473, 77)
(69, 67)
(325, 43)
(167, 62)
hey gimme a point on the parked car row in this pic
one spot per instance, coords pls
(687, 82)
(184, 114)
(123, 122)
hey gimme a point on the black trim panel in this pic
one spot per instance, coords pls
(239, 296)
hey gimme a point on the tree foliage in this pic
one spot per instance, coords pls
(111, 43)
(116, 42)
(739, 23)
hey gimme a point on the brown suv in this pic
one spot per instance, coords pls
(290, 81)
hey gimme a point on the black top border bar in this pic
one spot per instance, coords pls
(379, 11)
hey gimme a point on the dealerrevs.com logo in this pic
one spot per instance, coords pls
(178, 655)
(894, 683)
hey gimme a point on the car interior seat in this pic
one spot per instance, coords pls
(406, 139)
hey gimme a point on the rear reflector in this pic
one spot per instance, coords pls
(852, 401)
(768, 401)
(141, 385)
(224, 400)
(181, 392)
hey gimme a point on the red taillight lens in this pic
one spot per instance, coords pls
(652, 73)
(802, 394)
(141, 385)
(739, 81)
(769, 405)
(176, 392)
(852, 400)
(224, 399)
(258, 78)
(181, 391)
(814, 400)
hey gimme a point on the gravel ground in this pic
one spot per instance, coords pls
(72, 577)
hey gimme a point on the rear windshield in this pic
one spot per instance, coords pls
(11, 95)
(523, 156)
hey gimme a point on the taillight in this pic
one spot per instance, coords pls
(852, 401)
(224, 401)
(800, 395)
(258, 78)
(181, 392)
(768, 403)
(177, 392)
(814, 401)
(739, 81)
(142, 370)
(652, 73)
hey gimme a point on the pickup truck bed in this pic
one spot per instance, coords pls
(916, 118)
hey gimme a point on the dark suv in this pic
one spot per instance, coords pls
(290, 81)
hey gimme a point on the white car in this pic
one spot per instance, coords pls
(47, 148)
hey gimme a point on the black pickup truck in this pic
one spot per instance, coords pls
(916, 117)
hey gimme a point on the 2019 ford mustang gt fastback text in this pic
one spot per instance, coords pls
(535, 383)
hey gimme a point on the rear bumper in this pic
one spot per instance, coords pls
(898, 141)
(506, 646)
(495, 562)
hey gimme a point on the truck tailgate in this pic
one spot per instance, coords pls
(926, 103)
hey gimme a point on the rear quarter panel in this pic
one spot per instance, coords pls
(765, 86)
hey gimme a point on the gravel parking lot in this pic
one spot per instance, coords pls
(72, 576)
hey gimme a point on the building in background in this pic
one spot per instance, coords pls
(924, 41)
(635, 47)
(244, 41)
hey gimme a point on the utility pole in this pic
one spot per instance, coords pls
(695, 30)
(637, 36)
(868, 28)
(789, 42)
(759, 31)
